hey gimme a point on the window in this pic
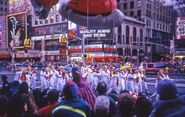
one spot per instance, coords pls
(139, 13)
(134, 35)
(6, 3)
(46, 21)
(131, 13)
(132, 5)
(36, 21)
(1, 9)
(139, 3)
(119, 34)
(127, 31)
(160, 26)
(57, 17)
(51, 19)
(41, 21)
(141, 37)
(154, 25)
(5, 9)
(157, 25)
(63, 19)
(125, 6)
(1, 2)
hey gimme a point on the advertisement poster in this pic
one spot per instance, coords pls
(16, 30)
(2, 33)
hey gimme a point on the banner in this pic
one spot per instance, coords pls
(2, 33)
(16, 30)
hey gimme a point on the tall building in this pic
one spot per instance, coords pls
(157, 18)
(46, 35)
(4, 5)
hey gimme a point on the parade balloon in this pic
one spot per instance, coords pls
(48, 3)
(89, 13)
(92, 13)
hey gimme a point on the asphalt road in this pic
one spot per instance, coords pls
(178, 79)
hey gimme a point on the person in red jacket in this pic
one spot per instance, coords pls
(53, 96)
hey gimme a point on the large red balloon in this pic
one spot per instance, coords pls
(94, 7)
(48, 3)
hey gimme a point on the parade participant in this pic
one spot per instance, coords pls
(130, 81)
(143, 81)
(160, 76)
(47, 75)
(53, 73)
(17, 74)
(43, 79)
(33, 78)
(166, 73)
(90, 72)
(25, 77)
(105, 75)
(137, 82)
(61, 80)
(96, 78)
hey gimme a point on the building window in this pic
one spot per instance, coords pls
(139, 3)
(5, 3)
(46, 21)
(160, 26)
(157, 25)
(139, 13)
(63, 19)
(131, 13)
(41, 21)
(141, 37)
(36, 21)
(5, 9)
(1, 9)
(127, 31)
(119, 35)
(125, 6)
(134, 35)
(1, 2)
(132, 5)
(57, 17)
(154, 25)
(163, 27)
(51, 19)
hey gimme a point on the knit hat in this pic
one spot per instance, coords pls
(70, 90)
(167, 90)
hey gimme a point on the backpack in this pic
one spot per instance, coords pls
(102, 105)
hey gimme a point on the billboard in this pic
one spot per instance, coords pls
(16, 30)
(180, 28)
(16, 6)
(2, 33)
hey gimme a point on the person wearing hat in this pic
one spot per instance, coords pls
(71, 105)
(169, 104)
(5, 86)
(130, 81)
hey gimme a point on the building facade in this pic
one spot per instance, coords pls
(157, 18)
(46, 35)
(130, 41)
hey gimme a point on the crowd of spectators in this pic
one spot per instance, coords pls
(78, 100)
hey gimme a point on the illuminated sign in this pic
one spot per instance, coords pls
(2, 33)
(16, 30)
(180, 28)
(96, 33)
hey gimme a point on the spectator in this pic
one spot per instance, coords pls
(71, 105)
(125, 105)
(143, 107)
(85, 91)
(40, 98)
(102, 89)
(6, 86)
(169, 104)
(53, 96)
(4, 102)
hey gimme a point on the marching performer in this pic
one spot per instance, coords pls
(130, 81)
(43, 79)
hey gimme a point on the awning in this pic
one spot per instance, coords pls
(5, 54)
